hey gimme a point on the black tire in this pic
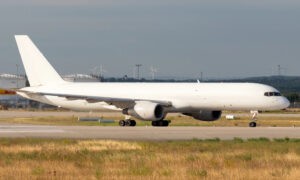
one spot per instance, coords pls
(166, 123)
(122, 123)
(132, 123)
(128, 122)
(154, 123)
(252, 124)
(161, 123)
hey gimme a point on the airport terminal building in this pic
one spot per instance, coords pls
(11, 81)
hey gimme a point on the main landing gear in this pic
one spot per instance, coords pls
(160, 123)
(127, 122)
(130, 122)
(253, 119)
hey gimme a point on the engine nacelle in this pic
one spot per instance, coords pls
(205, 115)
(145, 110)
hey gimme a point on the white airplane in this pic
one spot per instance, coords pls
(144, 101)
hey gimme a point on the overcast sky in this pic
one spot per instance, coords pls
(181, 38)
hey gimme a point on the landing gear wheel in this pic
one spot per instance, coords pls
(154, 123)
(166, 123)
(122, 123)
(132, 123)
(160, 123)
(252, 124)
(128, 122)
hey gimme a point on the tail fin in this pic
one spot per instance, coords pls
(38, 70)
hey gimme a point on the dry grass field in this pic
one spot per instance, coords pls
(105, 159)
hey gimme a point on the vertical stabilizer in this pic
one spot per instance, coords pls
(38, 70)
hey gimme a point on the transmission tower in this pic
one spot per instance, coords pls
(153, 71)
(138, 71)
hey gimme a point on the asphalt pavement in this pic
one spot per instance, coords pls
(145, 133)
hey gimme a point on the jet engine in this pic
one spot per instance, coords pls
(145, 110)
(205, 115)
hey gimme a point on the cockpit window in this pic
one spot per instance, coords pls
(277, 94)
(272, 94)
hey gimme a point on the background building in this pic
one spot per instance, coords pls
(11, 81)
(9, 99)
(81, 78)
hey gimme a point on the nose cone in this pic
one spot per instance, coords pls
(284, 103)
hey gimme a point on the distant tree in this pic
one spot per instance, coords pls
(293, 97)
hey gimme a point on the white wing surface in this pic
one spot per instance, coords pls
(121, 103)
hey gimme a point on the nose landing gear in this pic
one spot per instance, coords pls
(253, 119)
(252, 124)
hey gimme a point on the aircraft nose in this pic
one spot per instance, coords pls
(285, 103)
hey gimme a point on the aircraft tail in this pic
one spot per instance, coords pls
(38, 70)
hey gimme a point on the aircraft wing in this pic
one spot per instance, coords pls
(121, 103)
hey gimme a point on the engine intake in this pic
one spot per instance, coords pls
(145, 110)
(205, 115)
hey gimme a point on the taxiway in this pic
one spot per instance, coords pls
(145, 133)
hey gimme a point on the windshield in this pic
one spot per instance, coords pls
(272, 94)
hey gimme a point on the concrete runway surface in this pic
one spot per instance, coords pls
(145, 133)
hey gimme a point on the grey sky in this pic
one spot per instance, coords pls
(234, 38)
